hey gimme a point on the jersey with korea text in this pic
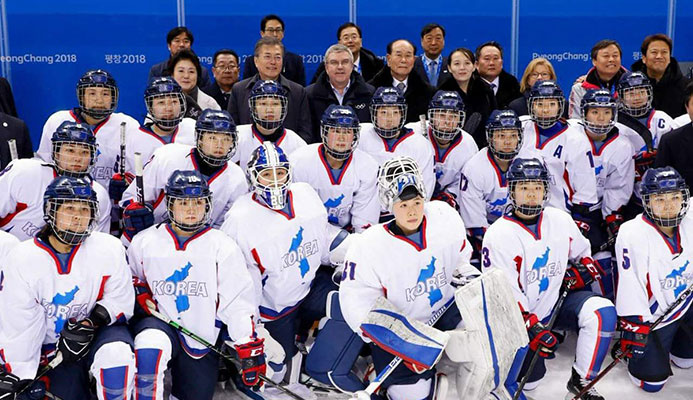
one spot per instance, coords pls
(567, 155)
(534, 262)
(226, 185)
(7, 242)
(414, 277)
(283, 251)
(349, 194)
(250, 139)
(409, 144)
(107, 134)
(36, 302)
(202, 282)
(658, 122)
(653, 271)
(24, 182)
(143, 140)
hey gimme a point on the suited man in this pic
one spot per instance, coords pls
(268, 58)
(401, 54)
(676, 147)
(366, 63)
(14, 128)
(225, 69)
(177, 39)
(431, 65)
(6, 98)
(489, 66)
(292, 68)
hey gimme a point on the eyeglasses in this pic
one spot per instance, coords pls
(543, 75)
(335, 63)
(226, 67)
(274, 30)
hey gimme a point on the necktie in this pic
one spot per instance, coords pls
(401, 87)
(433, 72)
(493, 87)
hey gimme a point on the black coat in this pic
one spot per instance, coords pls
(508, 89)
(417, 95)
(321, 96)
(419, 69)
(297, 113)
(478, 99)
(14, 128)
(215, 91)
(675, 149)
(159, 69)
(668, 92)
(369, 62)
(292, 69)
(6, 98)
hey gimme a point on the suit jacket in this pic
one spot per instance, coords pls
(292, 69)
(508, 89)
(369, 62)
(478, 99)
(6, 98)
(297, 113)
(675, 149)
(14, 128)
(420, 69)
(159, 69)
(215, 91)
(417, 94)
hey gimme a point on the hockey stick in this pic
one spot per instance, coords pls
(54, 363)
(472, 123)
(389, 368)
(422, 121)
(202, 341)
(139, 180)
(535, 357)
(12, 144)
(122, 150)
(622, 355)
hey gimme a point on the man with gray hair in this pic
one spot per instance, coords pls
(268, 57)
(338, 84)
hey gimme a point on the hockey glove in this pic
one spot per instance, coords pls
(459, 279)
(10, 384)
(118, 184)
(143, 294)
(643, 162)
(136, 218)
(613, 223)
(582, 273)
(75, 339)
(541, 340)
(252, 356)
(476, 238)
(446, 197)
(633, 336)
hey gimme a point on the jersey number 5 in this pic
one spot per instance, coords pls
(626, 260)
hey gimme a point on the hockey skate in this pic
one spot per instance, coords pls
(576, 384)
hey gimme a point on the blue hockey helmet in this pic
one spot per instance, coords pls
(394, 176)
(394, 113)
(272, 188)
(70, 224)
(70, 160)
(598, 98)
(635, 94)
(184, 190)
(446, 115)
(271, 98)
(165, 102)
(543, 111)
(524, 170)
(222, 148)
(97, 105)
(342, 120)
(659, 181)
(504, 123)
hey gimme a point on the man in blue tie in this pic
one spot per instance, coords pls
(431, 66)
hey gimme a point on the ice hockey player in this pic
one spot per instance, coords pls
(542, 251)
(73, 301)
(343, 176)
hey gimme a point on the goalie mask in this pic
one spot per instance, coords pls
(522, 173)
(70, 209)
(446, 115)
(74, 149)
(635, 94)
(188, 200)
(216, 137)
(269, 175)
(339, 129)
(97, 94)
(388, 112)
(165, 102)
(600, 98)
(504, 134)
(665, 196)
(394, 177)
(268, 104)
(546, 103)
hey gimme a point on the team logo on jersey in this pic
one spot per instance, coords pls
(542, 271)
(496, 207)
(176, 285)
(677, 280)
(30, 229)
(598, 169)
(60, 308)
(429, 282)
(334, 212)
(299, 252)
(439, 170)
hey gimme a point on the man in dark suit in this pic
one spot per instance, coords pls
(6, 98)
(676, 147)
(489, 66)
(14, 128)
(225, 69)
(292, 69)
(366, 62)
(401, 54)
(268, 57)
(177, 39)
(430, 65)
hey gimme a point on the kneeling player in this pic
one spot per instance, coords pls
(654, 267)
(410, 262)
(74, 298)
(534, 245)
(197, 277)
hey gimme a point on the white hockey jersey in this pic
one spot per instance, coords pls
(107, 138)
(227, 184)
(680, 121)
(250, 139)
(7, 242)
(483, 191)
(282, 251)
(652, 271)
(350, 197)
(143, 140)
(567, 156)
(200, 282)
(409, 144)
(23, 183)
(658, 122)
(36, 302)
(534, 264)
(415, 279)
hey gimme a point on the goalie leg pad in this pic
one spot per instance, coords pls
(335, 351)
